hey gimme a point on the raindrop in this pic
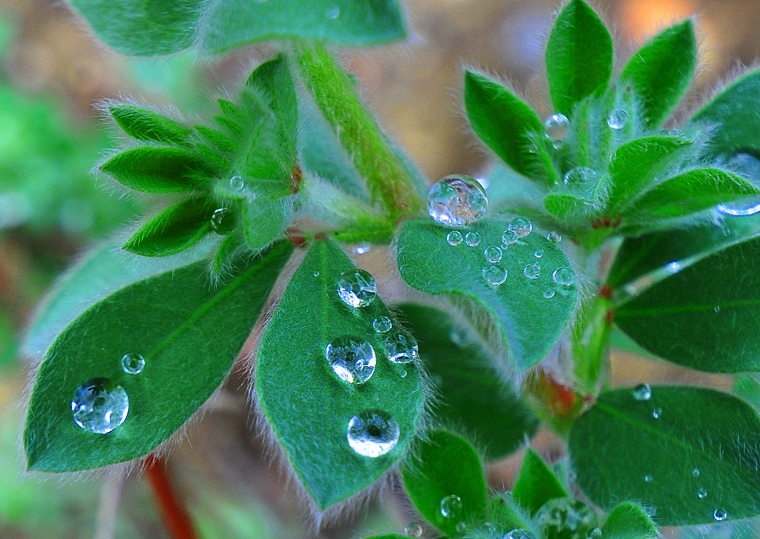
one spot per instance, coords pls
(617, 119)
(372, 433)
(701, 494)
(532, 271)
(642, 392)
(403, 374)
(494, 275)
(539, 253)
(333, 13)
(520, 226)
(400, 347)
(451, 506)
(237, 183)
(564, 277)
(413, 529)
(716, 309)
(509, 237)
(357, 288)
(579, 176)
(549, 293)
(461, 527)
(720, 515)
(648, 478)
(316, 274)
(493, 254)
(99, 406)
(382, 324)
(352, 359)
(454, 238)
(457, 200)
(740, 208)
(362, 249)
(519, 533)
(472, 239)
(695, 472)
(557, 126)
(657, 413)
(132, 363)
(566, 517)
(554, 237)
(223, 221)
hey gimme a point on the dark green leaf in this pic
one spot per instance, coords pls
(292, 373)
(446, 473)
(189, 335)
(143, 124)
(536, 484)
(505, 123)
(662, 69)
(152, 169)
(173, 230)
(578, 56)
(629, 521)
(702, 439)
(472, 395)
(530, 321)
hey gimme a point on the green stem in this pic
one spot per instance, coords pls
(388, 178)
(590, 342)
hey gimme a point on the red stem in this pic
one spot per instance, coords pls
(176, 519)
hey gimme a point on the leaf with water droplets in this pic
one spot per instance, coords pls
(166, 318)
(529, 322)
(578, 56)
(536, 484)
(146, 125)
(472, 396)
(628, 520)
(445, 480)
(154, 169)
(344, 435)
(620, 451)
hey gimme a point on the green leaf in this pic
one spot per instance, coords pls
(507, 515)
(473, 397)
(703, 439)
(153, 169)
(157, 27)
(628, 520)
(662, 69)
(536, 484)
(578, 56)
(505, 123)
(219, 140)
(264, 220)
(446, 473)
(168, 319)
(175, 229)
(146, 125)
(294, 364)
(388, 536)
(530, 323)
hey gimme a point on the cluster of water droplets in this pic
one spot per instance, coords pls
(568, 518)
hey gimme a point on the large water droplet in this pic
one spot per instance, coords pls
(351, 358)
(720, 515)
(532, 271)
(372, 433)
(566, 518)
(642, 392)
(454, 238)
(519, 533)
(400, 347)
(457, 200)
(357, 288)
(509, 237)
(472, 239)
(702, 494)
(564, 277)
(520, 226)
(579, 176)
(617, 118)
(413, 529)
(740, 208)
(657, 413)
(237, 183)
(382, 324)
(99, 406)
(223, 221)
(451, 506)
(557, 126)
(132, 363)
(494, 275)
(493, 254)
(553, 236)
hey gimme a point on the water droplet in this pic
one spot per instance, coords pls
(695, 472)
(132, 363)
(461, 527)
(519, 533)
(333, 13)
(493, 254)
(403, 374)
(596, 533)
(99, 406)
(740, 208)
(457, 200)
(509, 237)
(352, 359)
(657, 413)
(566, 517)
(316, 274)
(413, 529)
(223, 221)
(451, 506)
(716, 309)
(564, 277)
(549, 293)
(720, 515)
(472, 239)
(701, 494)
(521, 226)
(617, 119)
(362, 249)
(579, 176)
(237, 183)
(539, 253)
(557, 126)
(554, 237)
(648, 478)
(400, 347)
(382, 324)
(642, 392)
(357, 288)
(532, 271)
(494, 275)
(372, 433)
(454, 238)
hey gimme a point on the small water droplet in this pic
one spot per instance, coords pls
(579, 176)
(457, 200)
(223, 221)
(403, 374)
(400, 347)
(716, 309)
(451, 506)
(617, 118)
(648, 478)
(557, 126)
(642, 392)
(695, 472)
(237, 183)
(454, 238)
(549, 293)
(362, 249)
(494, 275)
(352, 359)
(553, 236)
(472, 239)
(657, 413)
(99, 406)
(132, 363)
(596, 533)
(521, 226)
(532, 271)
(519, 533)
(564, 277)
(413, 529)
(720, 515)
(509, 237)
(333, 13)
(493, 254)
(461, 527)
(372, 433)
(539, 253)
(701, 494)
(357, 288)
(382, 324)
(316, 274)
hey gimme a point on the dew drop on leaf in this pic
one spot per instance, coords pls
(132, 363)
(557, 126)
(99, 406)
(563, 277)
(223, 221)
(494, 275)
(532, 271)
(617, 119)
(237, 183)
(520, 226)
(596, 533)
(509, 237)
(451, 506)
(539, 253)
(351, 358)
(695, 472)
(519, 533)
(720, 515)
(657, 413)
(454, 238)
(701, 494)
(493, 254)
(357, 288)
(362, 249)
(413, 529)
(549, 293)
(579, 176)
(461, 527)
(472, 239)
(648, 478)
(333, 13)
(553, 236)
(372, 433)
(642, 392)
(382, 324)
(457, 200)
(400, 347)
(740, 208)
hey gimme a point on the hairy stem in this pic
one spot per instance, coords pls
(177, 520)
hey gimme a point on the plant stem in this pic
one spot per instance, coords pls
(590, 342)
(388, 178)
(177, 520)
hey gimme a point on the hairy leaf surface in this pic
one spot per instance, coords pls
(536, 484)
(153, 169)
(144, 124)
(628, 520)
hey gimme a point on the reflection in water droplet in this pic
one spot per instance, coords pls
(400, 347)
(557, 126)
(99, 406)
(642, 392)
(454, 238)
(451, 506)
(457, 200)
(237, 183)
(413, 530)
(352, 359)
(132, 363)
(223, 221)
(564, 277)
(509, 237)
(701, 494)
(372, 433)
(520, 226)
(494, 275)
(472, 239)
(617, 118)
(493, 254)
(657, 413)
(539, 253)
(720, 515)
(357, 288)
(739, 208)
(532, 271)
(382, 324)
(553, 236)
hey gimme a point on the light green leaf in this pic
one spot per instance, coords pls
(168, 319)
(531, 313)
(628, 520)
(679, 453)
(264, 220)
(536, 484)
(153, 169)
(292, 363)
(144, 124)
